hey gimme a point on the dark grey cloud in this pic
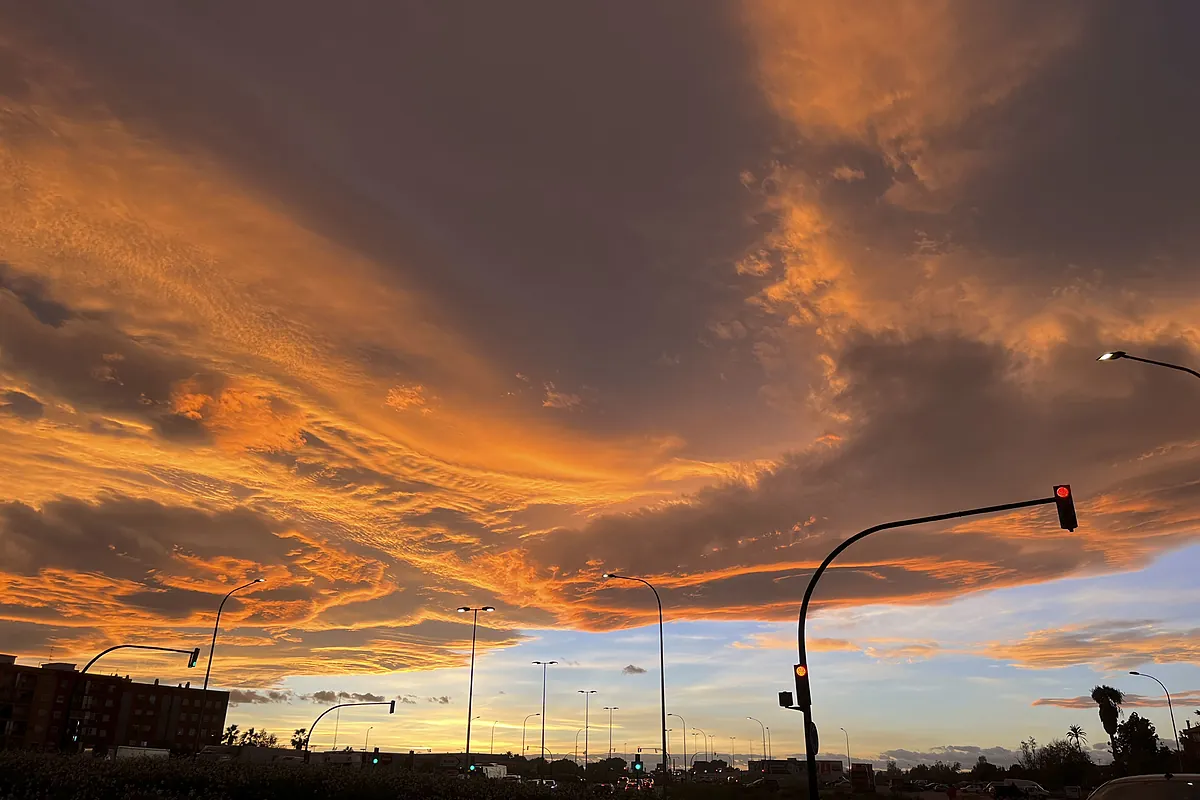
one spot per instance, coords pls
(21, 405)
(631, 669)
(329, 697)
(443, 700)
(239, 697)
(967, 755)
(407, 699)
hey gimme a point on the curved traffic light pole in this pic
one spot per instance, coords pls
(193, 656)
(1062, 498)
(391, 704)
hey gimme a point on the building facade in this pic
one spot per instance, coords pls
(55, 707)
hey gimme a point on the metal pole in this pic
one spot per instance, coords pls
(1116, 354)
(367, 738)
(337, 720)
(544, 664)
(610, 710)
(471, 691)
(1170, 708)
(764, 734)
(527, 716)
(811, 741)
(849, 762)
(662, 662)
(732, 753)
(213, 646)
(308, 738)
(770, 749)
(684, 736)
(492, 746)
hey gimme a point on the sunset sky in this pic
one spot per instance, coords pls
(406, 306)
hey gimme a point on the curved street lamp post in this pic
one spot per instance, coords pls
(527, 716)
(764, 735)
(1062, 498)
(1170, 708)
(849, 763)
(683, 736)
(213, 646)
(1115, 355)
(662, 661)
(471, 683)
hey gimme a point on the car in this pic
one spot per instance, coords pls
(1150, 787)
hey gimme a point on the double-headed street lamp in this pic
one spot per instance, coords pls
(471, 683)
(523, 723)
(1063, 500)
(587, 701)
(662, 661)
(1171, 709)
(212, 647)
(610, 710)
(544, 665)
(1115, 355)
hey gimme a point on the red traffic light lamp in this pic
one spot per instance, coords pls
(1064, 501)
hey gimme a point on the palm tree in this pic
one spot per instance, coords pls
(1077, 735)
(1109, 700)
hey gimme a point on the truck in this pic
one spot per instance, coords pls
(493, 771)
(129, 751)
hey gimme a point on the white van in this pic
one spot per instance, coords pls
(1027, 788)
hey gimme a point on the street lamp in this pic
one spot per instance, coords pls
(1119, 354)
(732, 752)
(1170, 708)
(212, 647)
(610, 709)
(587, 701)
(1062, 498)
(770, 749)
(391, 704)
(367, 738)
(492, 746)
(193, 656)
(683, 736)
(707, 751)
(849, 763)
(577, 746)
(764, 734)
(471, 684)
(523, 723)
(662, 660)
(544, 665)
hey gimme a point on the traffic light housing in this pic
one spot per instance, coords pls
(1064, 501)
(638, 766)
(391, 708)
(375, 756)
(803, 695)
(194, 657)
(785, 700)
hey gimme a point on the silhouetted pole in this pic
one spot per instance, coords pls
(523, 723)
(1121, 354)
(213, 647)
(805, 703)
(1170, 708)
(684, 737)
(610, 710)
(764, 736)
(544, 665)
(662, 662)
(471, 683)
(391, 704)
(193, 657)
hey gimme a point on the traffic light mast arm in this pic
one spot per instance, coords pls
(391, 704)
(837, 551)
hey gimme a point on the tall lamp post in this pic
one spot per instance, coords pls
(544, 665)
(707, 750)
(471, 683)
(733, 752)
(367, 738)
(770, 749)
(587, 701)
(212, 647)
(764, 734)
(849, 763)
(193, 656)
(1170, 708)
(610, 710)
(662, 660)
(492, 746)
(527, 716)
(1062, 499)
(1119, 354)
(391, 704)
(683, 736)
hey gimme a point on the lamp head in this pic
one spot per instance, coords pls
(463, 609)
(606, 575)
(488, 608)
(260, 580)
(1134, 672)
(1112, 355)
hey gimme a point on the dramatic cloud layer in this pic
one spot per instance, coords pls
(480, 303)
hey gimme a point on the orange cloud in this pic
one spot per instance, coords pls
(1108, 646)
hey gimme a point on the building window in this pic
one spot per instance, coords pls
(108, 703)
(106, 718)
(191, 731)
(137, 712)
(153, 699)
(58, 714)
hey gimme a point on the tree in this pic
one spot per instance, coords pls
(299, 738)
(1141, 750)
(229, 737)
(1108, 701)
(254, 738)
(985, 772)
(1077, 736)
(893, 769)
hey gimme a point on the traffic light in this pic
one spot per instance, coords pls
(195, 656)
(638, 766)
(803, 695)
(785, 700)
(471, 768)
(375, 756)
(392, 707)
(1064, 501)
